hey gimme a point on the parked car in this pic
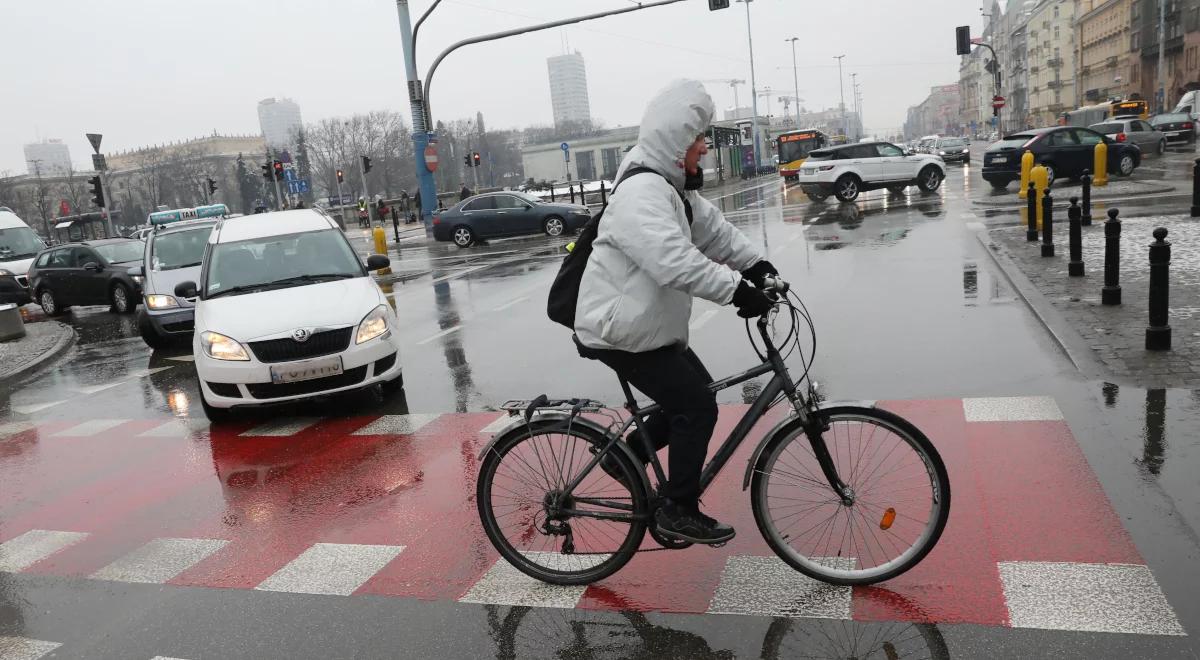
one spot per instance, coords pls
(88, 273)
(18, 246)
(1065, 151)
(1136, 131)
(1176, 127)
(507, 213)
(847, 170)
(925, 144)
(953, 149)
(286, 310)
(173, 254)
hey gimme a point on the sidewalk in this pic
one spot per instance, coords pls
(1063, 190)
(42, 342)
(1113, 335)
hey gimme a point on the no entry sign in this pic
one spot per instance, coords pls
(431, 157)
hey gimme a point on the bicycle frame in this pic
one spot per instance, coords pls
(780, 382)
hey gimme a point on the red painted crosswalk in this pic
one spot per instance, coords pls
(384, 506)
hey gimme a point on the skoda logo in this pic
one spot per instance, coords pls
(301, 334)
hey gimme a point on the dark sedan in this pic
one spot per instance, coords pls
(88, 273)
(1065, 151)
(1178, 127)
(507, 213)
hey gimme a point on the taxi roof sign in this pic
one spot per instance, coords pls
(177, 215)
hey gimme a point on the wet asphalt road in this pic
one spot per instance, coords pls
(907, 305)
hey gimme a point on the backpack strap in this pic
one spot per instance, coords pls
(687, 206)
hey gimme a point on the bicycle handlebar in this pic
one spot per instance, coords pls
(775, 285)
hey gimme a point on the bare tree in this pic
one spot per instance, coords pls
(75, 190)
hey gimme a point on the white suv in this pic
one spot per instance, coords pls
(286, 311)
(847, 170)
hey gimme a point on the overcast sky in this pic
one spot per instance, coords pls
(148, 71)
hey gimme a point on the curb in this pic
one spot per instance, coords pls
(1071, 343)
(1149, 190)
(65, 341)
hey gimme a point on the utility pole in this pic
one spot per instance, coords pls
(753, 91)
(854, 95)
(1162, 42)
(842, 94)
(795, 79)
(38, 196)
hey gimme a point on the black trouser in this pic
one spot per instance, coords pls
(676, 380)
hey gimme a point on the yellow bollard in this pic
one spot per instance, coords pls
(1100, 162)
(381, 248)
(1026, 166)
(1040, 183)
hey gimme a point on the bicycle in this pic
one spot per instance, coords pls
(820, 480)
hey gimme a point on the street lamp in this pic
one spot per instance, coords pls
(795, 79)
(753, 88)
(842, 94)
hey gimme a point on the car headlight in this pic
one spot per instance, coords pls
(220, 347)
(373, 325)
(158, 301)
(5, 273)
(941, 153)
(137, 279)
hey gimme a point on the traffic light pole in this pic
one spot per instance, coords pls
(105, 187)
(366, 195)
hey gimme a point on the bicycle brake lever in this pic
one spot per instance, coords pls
(540, 401)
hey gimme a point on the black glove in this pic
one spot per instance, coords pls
(751, 302)
(759, 271)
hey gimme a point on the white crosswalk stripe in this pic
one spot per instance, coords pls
(1012, 409)
(19, 553)
(397, 424)
(178, 427)
(13, 428)
(505, 585)
(497, 424)
(337, 569)
(765, 586)
(90, 428)
(23, 648)
(30, 408)
(159, 560)
(282, 427)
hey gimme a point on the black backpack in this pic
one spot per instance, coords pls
(564, 292)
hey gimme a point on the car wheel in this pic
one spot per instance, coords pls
(553, 226)
(1125, 166)
(121, 299)
(930, 179)
(1050, 173)
(463, 236)
(1162, 147)
(215, 415)
(846, 188)
(999, 185)
(817, 197)
(50, 304)
(896, 190)
(149, 335)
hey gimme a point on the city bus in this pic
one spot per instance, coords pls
(1094, 114)
(793, 147)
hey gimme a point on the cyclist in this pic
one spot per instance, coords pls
(660, 243)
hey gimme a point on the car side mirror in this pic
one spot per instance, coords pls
(93, 267)
(137, 271)
(377, 261)
(185, 289)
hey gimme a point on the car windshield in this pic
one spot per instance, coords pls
(179, 249)
(19, 243)
(954, 142)
(524, 196)
(1170, 118)
(820, 154)
(1111, 128)
(1011, 141)
(115, 253)
(276, 262)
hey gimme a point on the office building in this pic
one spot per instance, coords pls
(48, 158)
(568, 89)
(279, 120)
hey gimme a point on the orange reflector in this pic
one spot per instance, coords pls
(889, 517)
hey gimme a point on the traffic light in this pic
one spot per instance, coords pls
(962, 38)
(212, 185)
(97, 191)
(341, 176)
(266, 171)
(366, 162)
(475, 158)
(467, 160)
(278, 165)
(714, 5)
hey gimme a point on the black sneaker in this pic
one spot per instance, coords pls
(611, 466)
(688, 524)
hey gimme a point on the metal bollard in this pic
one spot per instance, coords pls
(1111, 293)
(1196, 188)
(1075, 239)
(1047, 224)
(1031, 204)
(1158, 333)
(573, 193)
(603, 195)
(1086, 180)
(552, 193)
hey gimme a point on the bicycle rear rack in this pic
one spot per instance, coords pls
(528, 407)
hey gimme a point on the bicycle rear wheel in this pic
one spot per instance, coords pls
(556, 538)
(899, 508)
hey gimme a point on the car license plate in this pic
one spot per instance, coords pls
(998, 159)
(1174, 133)
(306, 370)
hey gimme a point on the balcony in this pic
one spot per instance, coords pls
(1033, 69)
(1174, 44)
(1111, 62)
(1054, 84)
(1054, 63)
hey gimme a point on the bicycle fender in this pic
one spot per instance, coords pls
(786, 425)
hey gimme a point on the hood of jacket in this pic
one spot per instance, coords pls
(676, 115)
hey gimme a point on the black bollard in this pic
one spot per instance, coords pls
(1111, 293)
(1031, 204)
(1196, 188)
(603, 195)
(1086, 180)
(573, 194)
(1075, 239)
(1158, 333)
(1047, 224)
(552, 193)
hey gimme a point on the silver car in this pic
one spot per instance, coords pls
(173, 255)
(1134, 131)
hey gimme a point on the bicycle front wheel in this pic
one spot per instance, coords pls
(546, 533)
(899, 506)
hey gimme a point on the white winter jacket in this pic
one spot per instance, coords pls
(647, 262)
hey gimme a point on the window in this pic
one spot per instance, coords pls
(480, 204)
(81, 256)
(43, 260)
(585, 165)
(60, 258)
(1056, 16)
(611, 161)
(1088, 138)
(1064, 139)
(1135, 127)
(889, 150)
(508, 202)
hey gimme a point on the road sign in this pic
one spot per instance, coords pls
(289, 175)
(98, 163)
(94, 138)
(564, 146)
(431, 156)
(297, 186)
(997, 101)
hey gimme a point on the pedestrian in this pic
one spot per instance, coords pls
(300, 204)
(464, 193)
(364, 216)
(660, 245)
(417, 213)
(382, 210)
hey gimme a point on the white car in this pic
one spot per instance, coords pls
(287, 311)
(850, 169)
